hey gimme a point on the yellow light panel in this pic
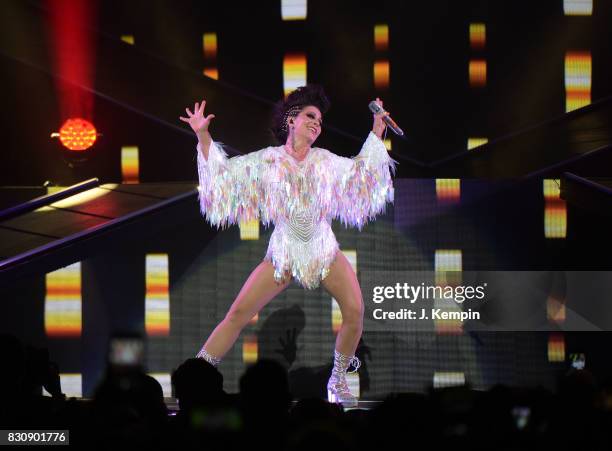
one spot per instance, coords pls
(249, 230)
(381, 37)
(448, 190)
(157, 295)
(477, 36)
(130, 166)
(294, 71)
(476, 142)
(63, 316)
(577, 80)
(249, 349)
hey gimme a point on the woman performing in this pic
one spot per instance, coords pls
(300, 189)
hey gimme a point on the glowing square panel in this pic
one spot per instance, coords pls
(249, 349)
(157, 296)
(63, 312)
(478, 73)
(477, 36)
(294, 72)
(443, 379)
(71, 385)
(130, 166)
(249, 230)
(164, 380)
(552, 189)
(211, 72)
(294, 9)
(476, 142)
(381, 37)
(448, 260)
(578, 68)
(578, 7)
(209, 45)
(556, 348)
(381, 74)
(555, 219)
(128, 38)
(448, 190)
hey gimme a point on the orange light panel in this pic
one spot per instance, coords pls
(478, 73)
(381, 74)
(556, 348)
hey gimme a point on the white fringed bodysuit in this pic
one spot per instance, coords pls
(299, 197)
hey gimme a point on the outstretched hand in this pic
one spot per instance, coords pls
(198, 122)
(379, 125)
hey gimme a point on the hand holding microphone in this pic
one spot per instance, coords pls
(376, 108)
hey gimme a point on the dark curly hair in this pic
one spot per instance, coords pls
(291, 106)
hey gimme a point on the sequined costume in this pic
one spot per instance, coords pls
(300, 198)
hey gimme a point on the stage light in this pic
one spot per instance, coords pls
(448, 190)
(209, 45)
(578, 69)
(578, 7)
(294, 9)
(474, 142)
(62, 310)
(76, 134)
(294, 71)
(157, 295)
(478, 73)
(477, 36)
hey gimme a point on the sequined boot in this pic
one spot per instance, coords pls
(214, 361)
(337, 388)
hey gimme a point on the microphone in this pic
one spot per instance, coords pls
(377, 109)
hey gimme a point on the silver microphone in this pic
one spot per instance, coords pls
(377, 109)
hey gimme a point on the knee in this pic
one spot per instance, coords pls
(238, 318)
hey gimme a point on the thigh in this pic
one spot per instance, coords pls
(259, 289)
(341, 282)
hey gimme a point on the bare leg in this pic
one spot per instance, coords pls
(259, 289)
(342, 284)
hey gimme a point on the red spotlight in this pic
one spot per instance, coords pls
(77, 134)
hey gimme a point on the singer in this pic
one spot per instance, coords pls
(300, 189)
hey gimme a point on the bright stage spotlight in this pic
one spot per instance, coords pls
(76, 136)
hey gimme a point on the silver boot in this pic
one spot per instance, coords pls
(337, 388)
(214, 361)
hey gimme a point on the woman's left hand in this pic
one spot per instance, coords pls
(379, 125)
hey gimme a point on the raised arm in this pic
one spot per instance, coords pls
(229, 189)
(363, 183)
(199, 123)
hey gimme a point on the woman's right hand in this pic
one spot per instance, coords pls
(196, 120)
